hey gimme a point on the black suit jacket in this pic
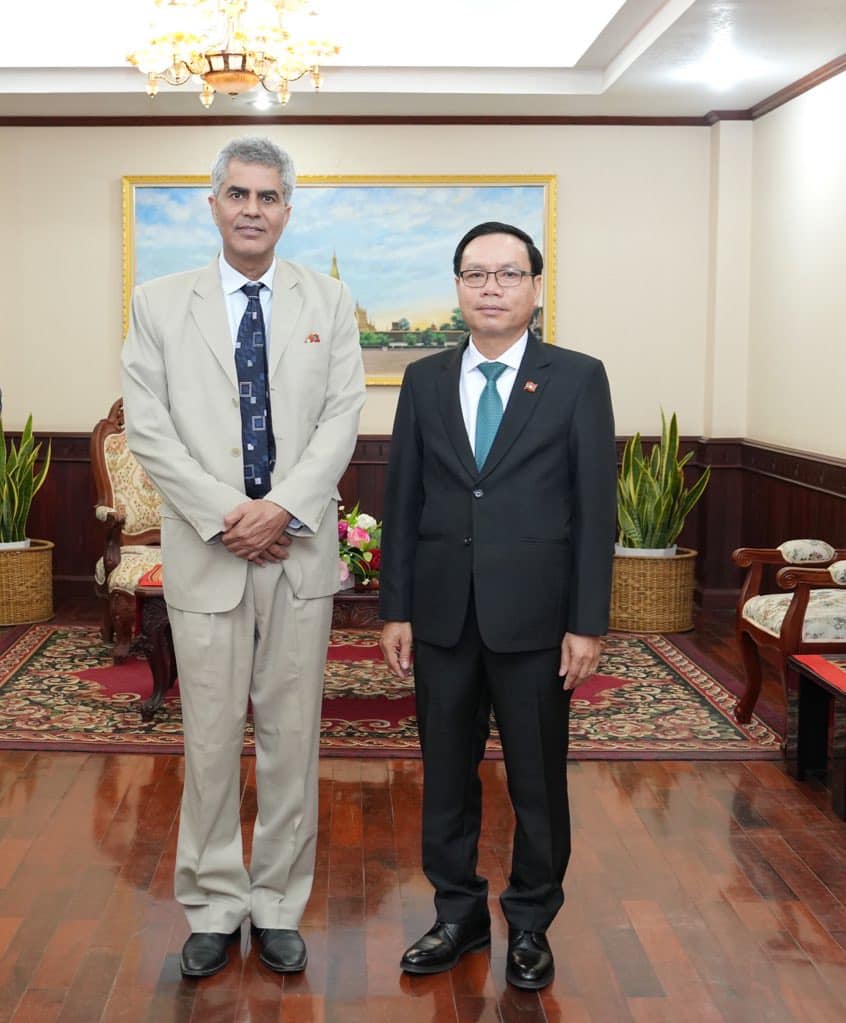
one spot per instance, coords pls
(533, 530)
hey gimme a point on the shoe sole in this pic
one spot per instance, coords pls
(202, 973)
(277, 968)
(422, 969)
(529, 985)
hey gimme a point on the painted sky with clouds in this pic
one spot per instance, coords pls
(394, 243)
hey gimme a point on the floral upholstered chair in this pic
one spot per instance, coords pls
(128, 505)
(812, 619)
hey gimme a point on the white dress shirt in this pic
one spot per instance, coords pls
(472, 381)
(232, 281)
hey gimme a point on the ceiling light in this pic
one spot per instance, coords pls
(723, 66)
(233, 46)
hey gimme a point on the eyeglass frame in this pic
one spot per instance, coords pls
(489, 273)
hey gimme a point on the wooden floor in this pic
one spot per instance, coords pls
(696, 892)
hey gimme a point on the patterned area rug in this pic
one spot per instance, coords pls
(59, 690)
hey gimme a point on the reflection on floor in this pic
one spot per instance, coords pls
(697, 891)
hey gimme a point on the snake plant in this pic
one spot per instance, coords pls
(19, 482)
(652, 500)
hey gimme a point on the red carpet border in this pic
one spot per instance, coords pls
(59, 690)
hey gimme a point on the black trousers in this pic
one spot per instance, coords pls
(455, 689)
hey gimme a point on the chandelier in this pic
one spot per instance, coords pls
(233, 46)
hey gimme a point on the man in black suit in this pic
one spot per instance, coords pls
(497, 547)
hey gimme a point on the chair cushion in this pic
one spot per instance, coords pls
(825, 619)
(134, 562)
(837, 571)
(799, 552)
(135, 497)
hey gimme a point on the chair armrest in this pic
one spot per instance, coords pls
(753, 560)
(108, 515)
(747, 556)
(113, 521)
(801, 580)
(813, 578)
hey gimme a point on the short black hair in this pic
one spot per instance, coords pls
(494, 227)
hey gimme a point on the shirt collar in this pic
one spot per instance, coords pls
(512, 356)
(232, 280)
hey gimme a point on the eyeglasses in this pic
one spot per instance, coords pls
(507, 277)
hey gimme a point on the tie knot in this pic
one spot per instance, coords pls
(251, 290)
(492, 370)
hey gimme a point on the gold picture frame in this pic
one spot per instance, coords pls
(389, 237)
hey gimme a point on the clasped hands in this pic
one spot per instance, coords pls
(255, 531)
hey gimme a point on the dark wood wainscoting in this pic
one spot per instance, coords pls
(63, 511)
(364, 480)
(714, 527)
(758, 496)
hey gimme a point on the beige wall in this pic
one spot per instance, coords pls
(705, 266)
(632, 253)
(798, 295)
(726, 364)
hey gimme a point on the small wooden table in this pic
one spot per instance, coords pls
(353, 609)
(816, 723)
(350, 610)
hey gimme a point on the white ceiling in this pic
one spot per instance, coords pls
(641, 58)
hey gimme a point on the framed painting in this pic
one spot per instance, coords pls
(390, 239)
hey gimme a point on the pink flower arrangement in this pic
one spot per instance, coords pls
(359, 553)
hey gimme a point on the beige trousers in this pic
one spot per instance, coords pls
(270, 650)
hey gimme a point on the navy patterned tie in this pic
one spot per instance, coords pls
(489, 410)
(256, 426)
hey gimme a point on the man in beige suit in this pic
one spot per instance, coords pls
(249, 541)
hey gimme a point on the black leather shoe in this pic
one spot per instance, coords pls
(441, 947)
(530, 964)
(204, 953)
(282, 950)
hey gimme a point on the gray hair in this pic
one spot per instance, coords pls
(253, 149)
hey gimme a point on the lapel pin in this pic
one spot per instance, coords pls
(530, 386)
(313, 338)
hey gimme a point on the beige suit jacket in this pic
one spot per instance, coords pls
(183, 423)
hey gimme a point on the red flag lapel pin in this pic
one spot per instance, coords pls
(313, 338)
(530, 386)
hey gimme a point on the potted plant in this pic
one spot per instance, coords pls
(26, 566)
(652, 582)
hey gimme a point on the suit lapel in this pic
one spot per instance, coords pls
(524, 400)
(208, 307)
(450, 403)
(286, 309)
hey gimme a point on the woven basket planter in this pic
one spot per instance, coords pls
(653, 594)
(26, 584)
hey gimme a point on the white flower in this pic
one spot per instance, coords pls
(365, 521)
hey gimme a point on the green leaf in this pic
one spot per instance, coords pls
(652, 501)
(20, 481)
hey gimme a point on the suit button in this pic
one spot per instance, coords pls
(236, 452)
(468, 540)
(478, 493)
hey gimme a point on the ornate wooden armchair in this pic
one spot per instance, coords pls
(810, 620)
(128, 506)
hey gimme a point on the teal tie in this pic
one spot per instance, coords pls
(489, 411)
